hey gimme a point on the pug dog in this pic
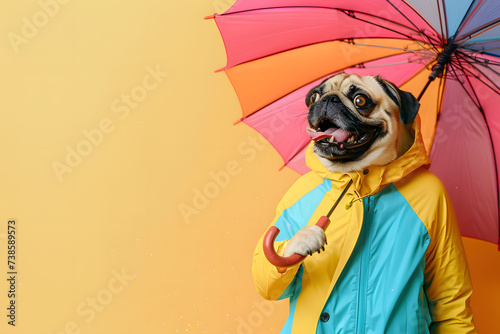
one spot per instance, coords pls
(355, 122)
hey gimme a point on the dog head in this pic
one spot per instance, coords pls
(358, 122)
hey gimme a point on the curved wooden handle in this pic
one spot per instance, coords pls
(281, 261)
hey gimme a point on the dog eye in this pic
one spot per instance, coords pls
(360, 101)
(313, 99)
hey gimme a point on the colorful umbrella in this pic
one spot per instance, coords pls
(279, 49)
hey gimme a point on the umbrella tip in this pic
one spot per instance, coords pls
(281, 168)
(221, 69)
(238, 121)
(209, 17)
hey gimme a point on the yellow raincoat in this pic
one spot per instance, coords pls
(394, 262)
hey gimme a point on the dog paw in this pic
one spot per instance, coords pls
(306, 241)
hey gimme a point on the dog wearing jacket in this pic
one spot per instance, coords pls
(394, 262)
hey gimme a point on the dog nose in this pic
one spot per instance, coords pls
(332, 98)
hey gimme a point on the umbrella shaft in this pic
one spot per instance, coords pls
(425, 88)
(442, 59)
(338, 199)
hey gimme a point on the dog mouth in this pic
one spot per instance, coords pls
(329, 134)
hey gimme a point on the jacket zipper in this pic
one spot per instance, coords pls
(363, 276)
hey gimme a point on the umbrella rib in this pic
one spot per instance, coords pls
(464, 19)
(471, 86)
(403, 15)
(413, 24)
(484, 119)
(389, 64)
(416, 30)
(487, 27)
(478, 61)
(439, 5)
(482, 29)
(400, 49)
(484, 63)
(485, 50)
(488, 40)
(392, 30)
(492, 70)
(455, 75)
(344, 40)
(496, 89)
(391, 47)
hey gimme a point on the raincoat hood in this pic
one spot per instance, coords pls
(373, 179)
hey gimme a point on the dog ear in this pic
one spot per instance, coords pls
(409, 107)
(407, 103)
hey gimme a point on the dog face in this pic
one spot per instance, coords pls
(359, 121)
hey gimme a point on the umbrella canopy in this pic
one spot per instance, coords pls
(277, 50)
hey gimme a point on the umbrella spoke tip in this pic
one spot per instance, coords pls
(209, 17)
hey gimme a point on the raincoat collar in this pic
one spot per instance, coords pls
(373, 179)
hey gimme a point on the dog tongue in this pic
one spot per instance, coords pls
(339, 134)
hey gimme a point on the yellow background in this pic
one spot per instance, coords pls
(136, 236)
